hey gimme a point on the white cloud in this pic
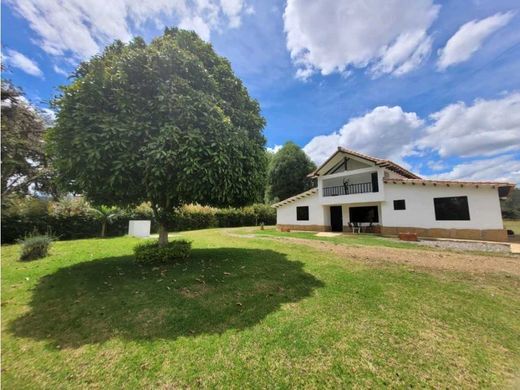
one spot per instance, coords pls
(197, 24)
(59, 70)
(274, 149)
(384, 132)
(388, 36)
(232, 9)
(469, 37)
(81, 28)
(503, 168)
(486, 128)
(20, 61)
(436, 165)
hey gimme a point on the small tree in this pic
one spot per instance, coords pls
(105, 215)
(166, 122)
(288, 172)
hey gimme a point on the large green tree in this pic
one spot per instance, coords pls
(511, 205)
(288, 170)
(24, 163)
(166, 122)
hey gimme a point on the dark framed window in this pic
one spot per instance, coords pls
(363, 214)
(302, 213)
(453, 208)
(399, 204)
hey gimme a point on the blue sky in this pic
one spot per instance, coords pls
(433, 85)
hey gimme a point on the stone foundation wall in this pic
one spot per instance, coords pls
(499, 235)
(309, 228)
(465, 234)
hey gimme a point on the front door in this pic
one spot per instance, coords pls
(336, 219)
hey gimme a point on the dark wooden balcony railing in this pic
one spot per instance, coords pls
(348, 189)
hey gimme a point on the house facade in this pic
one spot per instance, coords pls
(356, 192)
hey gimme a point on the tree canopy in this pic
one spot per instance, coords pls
(288, 172)
(166, 122)
(23, 159)
(511, 205)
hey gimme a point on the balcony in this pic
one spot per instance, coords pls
(348, 189)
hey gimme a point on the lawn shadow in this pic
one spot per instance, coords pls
(215, 290)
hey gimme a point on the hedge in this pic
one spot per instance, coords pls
(87, 225)
(63, 227)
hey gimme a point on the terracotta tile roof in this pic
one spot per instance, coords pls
(296, 197)
(390, 165)
(506, 186)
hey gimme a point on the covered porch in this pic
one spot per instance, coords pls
(354, 217)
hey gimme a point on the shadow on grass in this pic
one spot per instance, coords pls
(216, 290)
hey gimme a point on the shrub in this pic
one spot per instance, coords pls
(70, 207)
(35, 246)
(151, 252)
(72, 219)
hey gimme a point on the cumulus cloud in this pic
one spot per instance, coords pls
(384, 132)
(503, 168)
(487, 127)
(60, 71)
(82, 27)
(274, 149)
(20, 61)
(469, 38)
(485, 135)
(388, 36)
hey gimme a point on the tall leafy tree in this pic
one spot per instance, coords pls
(511, 205)
(23, 159)
(166, 122)
(288, 172)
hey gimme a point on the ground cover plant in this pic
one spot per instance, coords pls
(251, 311)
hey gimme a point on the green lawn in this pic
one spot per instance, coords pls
(354, 239)
(250, 312)
(514, 225)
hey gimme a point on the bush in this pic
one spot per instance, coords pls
(151, 252)
(73, 218)
(35, 246)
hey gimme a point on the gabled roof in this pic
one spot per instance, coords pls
(504, 188)
(294, 198)
(390, 165)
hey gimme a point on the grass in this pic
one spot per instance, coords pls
(354, 239)
(514, 225)
(250, 312)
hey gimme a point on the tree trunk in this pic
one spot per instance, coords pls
(103, 228)
(163, 234)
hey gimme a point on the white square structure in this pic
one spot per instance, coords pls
(140, 228)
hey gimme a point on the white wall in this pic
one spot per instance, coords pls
(352, 198)
(483, 202)
(286, 214)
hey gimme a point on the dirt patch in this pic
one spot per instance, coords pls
(441, 260)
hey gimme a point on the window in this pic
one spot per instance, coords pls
(399, 204)
(453, 208)
(302, 213)
(363, 214)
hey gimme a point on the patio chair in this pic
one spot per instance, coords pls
(354, 227)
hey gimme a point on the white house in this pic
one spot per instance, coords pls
(358, 191)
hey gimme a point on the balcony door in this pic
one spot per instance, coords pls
(336, 219)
